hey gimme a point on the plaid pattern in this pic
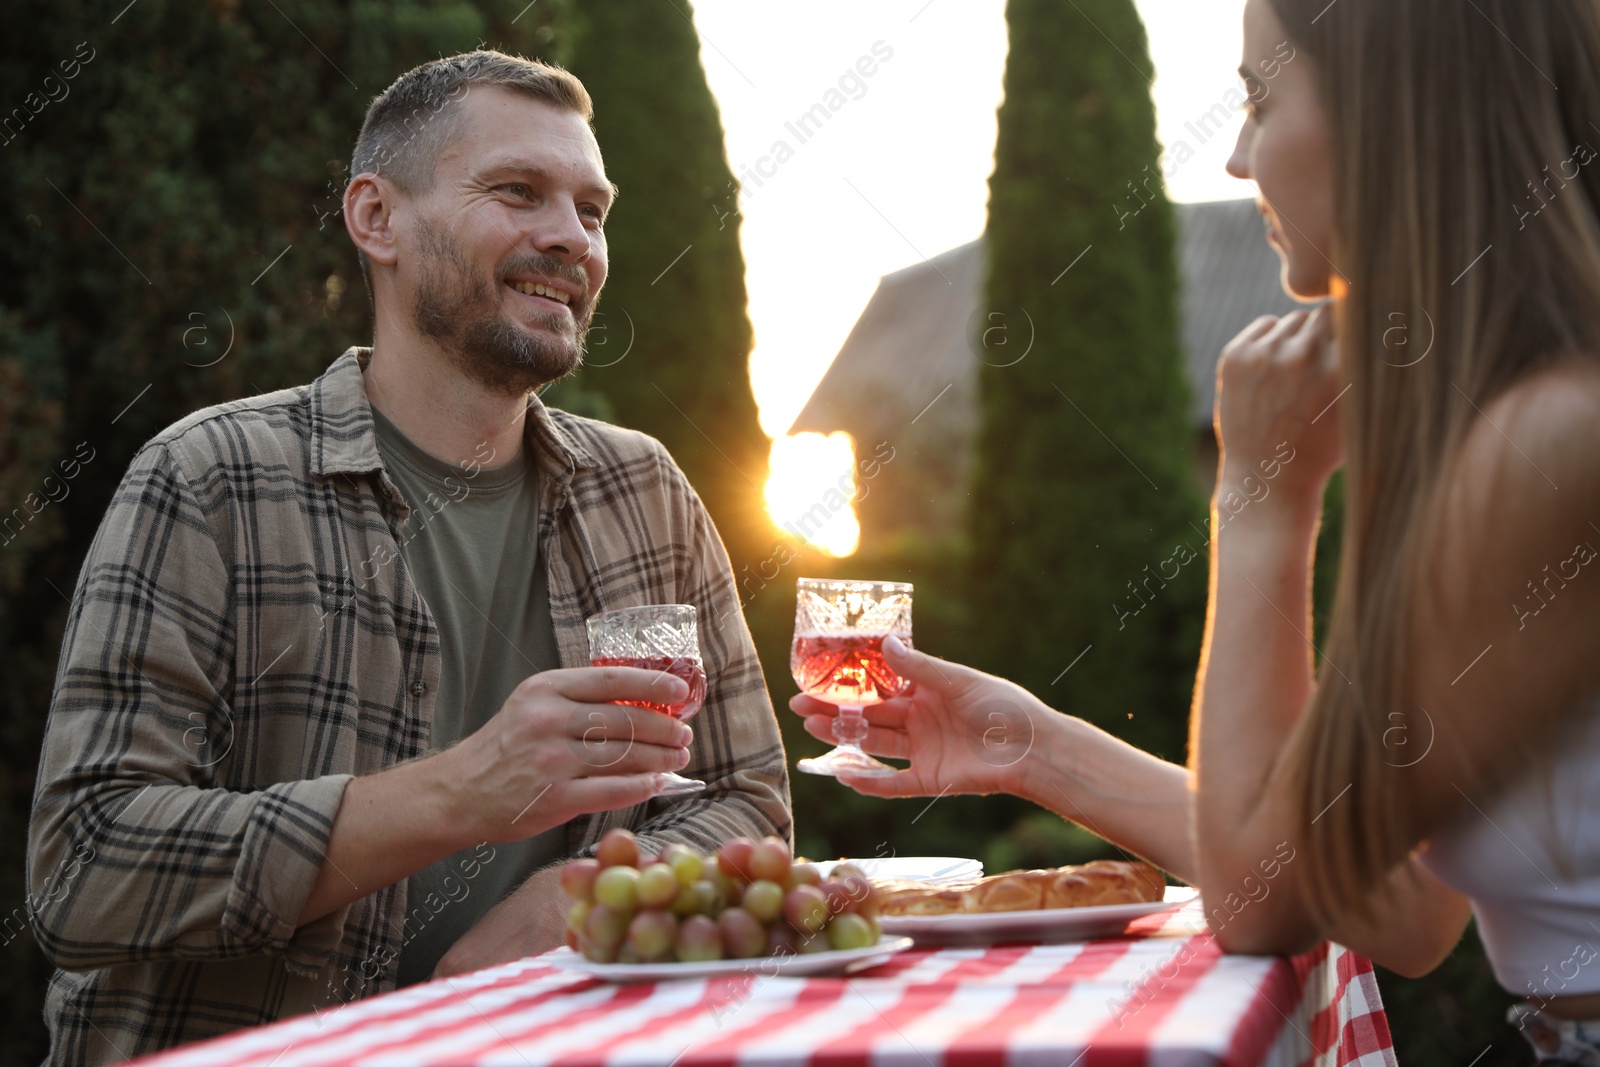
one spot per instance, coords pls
(244, 639)
(1164, 995)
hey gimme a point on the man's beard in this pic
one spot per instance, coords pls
(456, 308)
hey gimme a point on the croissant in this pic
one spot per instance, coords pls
(1093, 884)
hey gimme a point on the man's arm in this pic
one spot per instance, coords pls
(517, 776)
(179, 868)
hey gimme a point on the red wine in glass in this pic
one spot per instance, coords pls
(837, 657)
(654, 637)
(686, 667)
(846, 669)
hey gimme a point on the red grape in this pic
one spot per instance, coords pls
(802, 874)
(652, 933)
(658, 886)
(734, 859)
(764, 900)
(810, 943)
(699, 940)
(596, 953)
(577, 878)
(619, 848)
(806, 908)
(605, 927)
(743, 936)
(770, 860)
(782, 941)
(838, 896)
(618, 889)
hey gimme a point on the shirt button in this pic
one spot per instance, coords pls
(419, 689)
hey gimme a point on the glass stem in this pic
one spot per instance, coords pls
(850, 726)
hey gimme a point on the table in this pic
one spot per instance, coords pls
(1161, 995)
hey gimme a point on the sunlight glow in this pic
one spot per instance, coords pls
(812, 489)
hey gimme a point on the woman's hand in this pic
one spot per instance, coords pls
(963, 731)
(1278, 386)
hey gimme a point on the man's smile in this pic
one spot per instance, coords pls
(542, 292)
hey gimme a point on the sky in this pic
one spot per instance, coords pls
(898, 172)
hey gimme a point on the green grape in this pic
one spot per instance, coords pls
(658, 886)
(850, 931)
(764, 900)
(688, 865)
(577, 914)
(618, 888)
(686, 902)
(710, 897)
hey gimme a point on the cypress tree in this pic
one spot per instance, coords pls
(1083, 488)
(675, 301)
(169, 238)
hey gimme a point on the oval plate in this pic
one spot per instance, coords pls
(802, 966)
(937, 870)
(1050, 926)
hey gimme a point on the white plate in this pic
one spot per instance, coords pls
(816, 963)
(940, 870)
(1052, 925)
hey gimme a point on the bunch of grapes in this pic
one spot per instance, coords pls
(749, 900)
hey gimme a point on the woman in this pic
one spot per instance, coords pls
(1426, 169)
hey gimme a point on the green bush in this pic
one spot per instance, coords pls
(1083, 489)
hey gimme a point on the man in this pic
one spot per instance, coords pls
(322, 716)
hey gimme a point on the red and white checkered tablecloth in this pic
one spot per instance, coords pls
(1161, 995)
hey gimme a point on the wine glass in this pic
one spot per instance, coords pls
(837, 656)
(656, 637)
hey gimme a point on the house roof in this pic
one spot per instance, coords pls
(916, 339)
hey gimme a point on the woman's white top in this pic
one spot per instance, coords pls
(1529, 860)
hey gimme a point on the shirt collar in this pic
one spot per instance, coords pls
(343, 440)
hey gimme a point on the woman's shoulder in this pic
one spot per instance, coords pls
(1534, 445)
(1550, 410)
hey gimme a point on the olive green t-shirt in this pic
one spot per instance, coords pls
(471, 545)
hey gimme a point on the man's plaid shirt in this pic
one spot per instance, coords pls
(245, 638)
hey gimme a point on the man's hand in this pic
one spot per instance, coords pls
(558, 748)
(526, 923)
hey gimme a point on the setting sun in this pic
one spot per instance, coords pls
(811, 490)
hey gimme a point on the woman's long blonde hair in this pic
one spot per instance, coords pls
(1466, 148)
